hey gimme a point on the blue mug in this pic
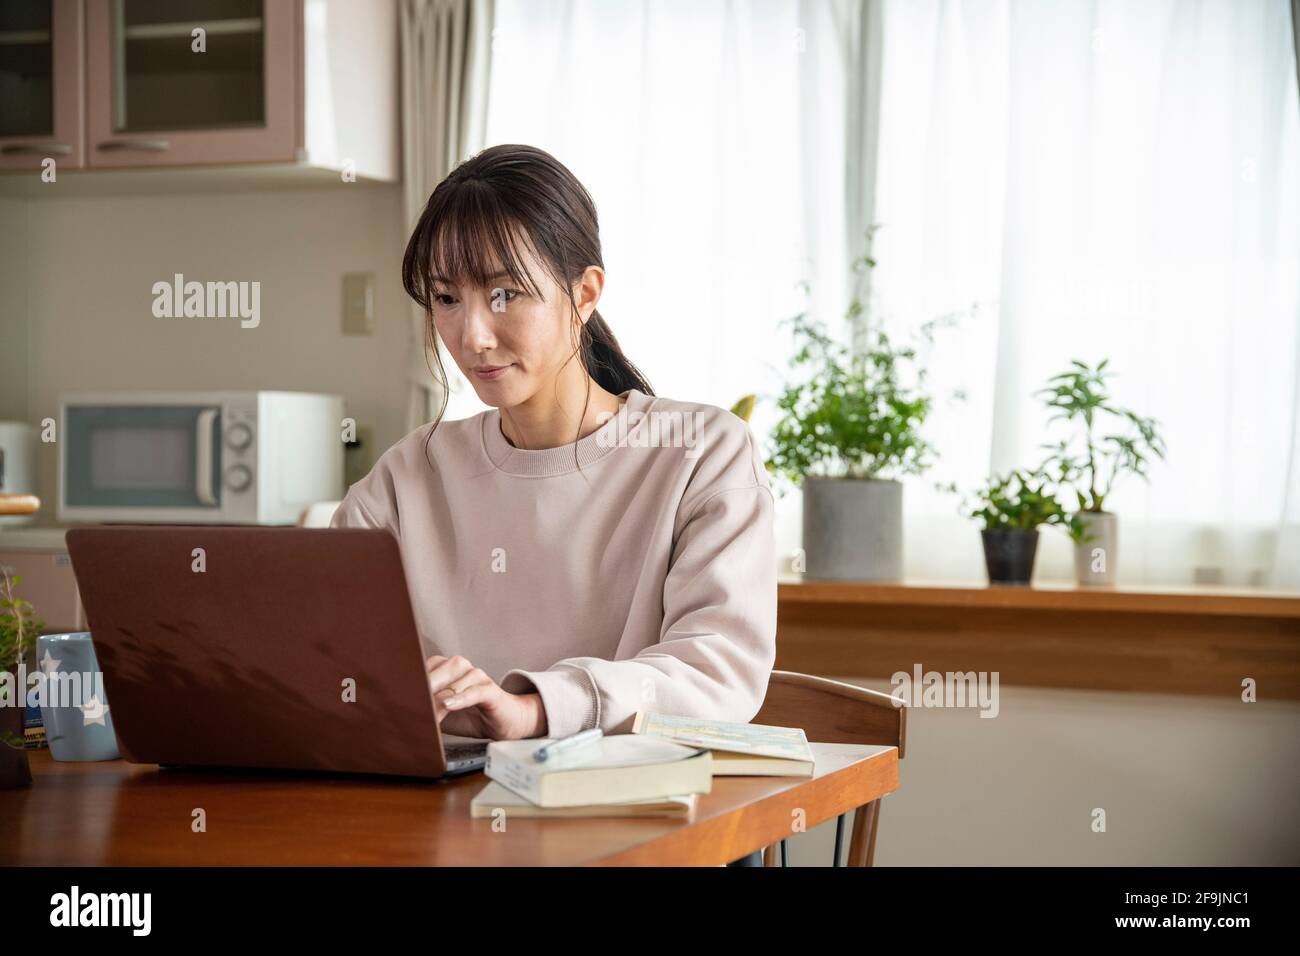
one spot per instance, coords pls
(74, 707)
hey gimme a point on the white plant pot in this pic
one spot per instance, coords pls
(1095, 559)
(852, 529)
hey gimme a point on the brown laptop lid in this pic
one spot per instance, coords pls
(246, 663)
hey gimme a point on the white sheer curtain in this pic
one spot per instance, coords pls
(712, 138)
(445, 69)
(1118, 180)
(1104, 178)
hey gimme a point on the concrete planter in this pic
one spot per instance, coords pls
(1095, 558)
(1009, 555)
(852, 529)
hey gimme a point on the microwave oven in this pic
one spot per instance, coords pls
(253, 457)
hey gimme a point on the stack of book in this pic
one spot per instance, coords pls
(618, 776)
(658, 770)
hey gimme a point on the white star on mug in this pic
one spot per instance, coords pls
(93, 711)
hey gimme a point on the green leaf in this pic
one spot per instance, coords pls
(850, 412)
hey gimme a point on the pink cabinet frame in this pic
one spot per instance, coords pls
(276, 141)
(66, 144)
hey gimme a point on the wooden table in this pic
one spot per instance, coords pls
(114, 813)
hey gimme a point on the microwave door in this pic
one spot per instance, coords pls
(125, 459)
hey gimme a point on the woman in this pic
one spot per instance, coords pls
(584, 549)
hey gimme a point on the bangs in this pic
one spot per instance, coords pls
(465, 237)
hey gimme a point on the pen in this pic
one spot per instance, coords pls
(565, 744)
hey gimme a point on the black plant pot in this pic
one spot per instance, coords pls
(14, 771)
(1009, 555)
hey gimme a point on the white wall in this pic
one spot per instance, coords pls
(1183, 780)
(90, 264)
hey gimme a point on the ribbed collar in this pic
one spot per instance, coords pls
(546, 462)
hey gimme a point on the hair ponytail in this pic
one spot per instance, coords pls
(605, 362)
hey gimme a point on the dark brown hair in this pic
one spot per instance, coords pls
(491, 203)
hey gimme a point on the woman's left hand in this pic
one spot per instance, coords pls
(468, 703)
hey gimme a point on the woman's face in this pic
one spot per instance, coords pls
(509, 343)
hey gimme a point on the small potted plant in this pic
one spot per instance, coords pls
(850, 429)
(1012, 508)
(18, 632)
(1080, 395)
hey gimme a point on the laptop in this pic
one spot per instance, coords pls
(256, 647)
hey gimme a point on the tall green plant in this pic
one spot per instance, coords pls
(1081, 395)
(846, 410)
(850, 416)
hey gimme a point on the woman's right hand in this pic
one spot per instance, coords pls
(469, 703)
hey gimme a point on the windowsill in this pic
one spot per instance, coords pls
(1204, 641)
(1046, 595)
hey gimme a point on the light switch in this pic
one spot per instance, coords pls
(358, 303)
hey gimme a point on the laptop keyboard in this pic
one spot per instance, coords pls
(465, 751)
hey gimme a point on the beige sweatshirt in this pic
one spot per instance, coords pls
(644, 579)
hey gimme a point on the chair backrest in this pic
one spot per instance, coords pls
(833, 712)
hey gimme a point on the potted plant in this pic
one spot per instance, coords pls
(1080, 395)
(850, 429)
(18, 631)
(1012, 508)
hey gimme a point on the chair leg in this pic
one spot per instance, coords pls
(769, 855)
(862, 845)
(839, 838)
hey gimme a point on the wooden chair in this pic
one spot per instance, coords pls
(834, 712)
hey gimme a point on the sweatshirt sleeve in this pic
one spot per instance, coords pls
(368, 504)
(351, 513)
(718, 640)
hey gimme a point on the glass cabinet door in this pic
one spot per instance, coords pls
(41, 83)
(175, 82)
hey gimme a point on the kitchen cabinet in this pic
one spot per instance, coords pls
(153, 99)
(42, 84)
(154, 84)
